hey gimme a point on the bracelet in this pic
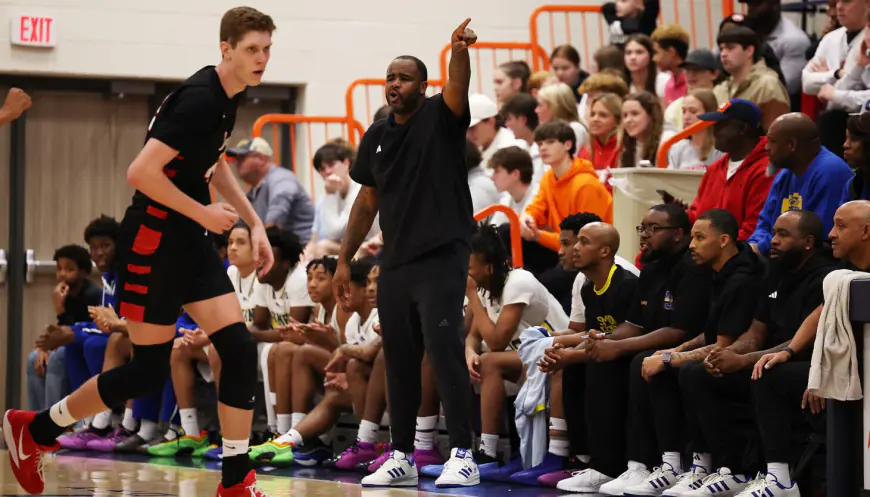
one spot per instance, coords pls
(790, 351)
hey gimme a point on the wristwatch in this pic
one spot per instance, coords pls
(790, 351)
(666, 359)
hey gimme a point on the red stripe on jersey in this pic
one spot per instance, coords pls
(154, 211)
(147, 241)
(133, 268)
(170, 173)
(142, 289)
(132, 312)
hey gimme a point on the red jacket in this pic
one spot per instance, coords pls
(743, 195)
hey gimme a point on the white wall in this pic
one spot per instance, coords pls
(322, 44)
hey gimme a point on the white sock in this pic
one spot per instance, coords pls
(102, 420)
(292, 436)
(129, 423)
(424, 438)
(295, 419)
(60, 414)
(273, 398)
(489, 444)
(235, 448)
(704, 460)
(148, 430)
(284, 423)
(673, 458)
(171, 433)
(368, 432)
(559, 446)
(780, 471)
(189, 421)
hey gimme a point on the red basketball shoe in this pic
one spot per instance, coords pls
(25, 455)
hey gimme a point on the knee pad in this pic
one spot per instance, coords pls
(238, 353)
(146, 373)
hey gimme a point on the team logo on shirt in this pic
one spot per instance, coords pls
(793, 202)
(606, 324)
(668, 301)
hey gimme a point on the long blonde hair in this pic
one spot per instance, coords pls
(613, 103)
(561, 100)
(709, 103)
(652, 105)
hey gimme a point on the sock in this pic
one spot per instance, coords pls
(424, 439)
(148, 430)
(273, 398)
(129, 423)
(559, 446)
(291, 436)
(368, 432)
(489, 444)
(50, 424)
(171, 433)
(780, 471)
(189, 422)
(583, 458)
(295, 419)
(284, 423)
(704, 460)
(102, 420)
(673, 458)
(236, 463)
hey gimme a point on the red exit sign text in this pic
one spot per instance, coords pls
(34, 30)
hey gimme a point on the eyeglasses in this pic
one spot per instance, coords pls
(652, 229)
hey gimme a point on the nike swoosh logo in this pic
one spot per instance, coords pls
(21, 455)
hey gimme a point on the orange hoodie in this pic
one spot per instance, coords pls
(579, 190)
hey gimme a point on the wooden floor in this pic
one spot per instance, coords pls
(72, 475)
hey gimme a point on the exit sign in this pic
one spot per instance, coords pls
(34, 30)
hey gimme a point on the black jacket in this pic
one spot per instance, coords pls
(734, 297)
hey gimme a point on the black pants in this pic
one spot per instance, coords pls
(723, 406)
(574, 402)
(607, 389)
(777, 396)
(832, 130)
(421, 308)
(641, 445)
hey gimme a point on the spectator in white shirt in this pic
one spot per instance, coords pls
(512, 173)
(641, 73)
(557, 102)
(510, 79)
(483, 192)
(485, 129)
(332, 161)
(696, 152)
(521, 118)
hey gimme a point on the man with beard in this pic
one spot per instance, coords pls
(781, 377)
(720, 411)
(810, 177)
(789, 42)
(669, 305)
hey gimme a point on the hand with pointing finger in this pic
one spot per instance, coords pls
(463, 37)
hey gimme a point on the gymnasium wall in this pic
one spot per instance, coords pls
(321, 45)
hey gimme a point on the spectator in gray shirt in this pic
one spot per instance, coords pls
(275, 192)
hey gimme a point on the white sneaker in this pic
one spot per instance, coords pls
(459, 471)
(587, 481)
(635, 475)
(687, 482)
(661, 479)
(769, 486)
(721, 484)
(398, 471)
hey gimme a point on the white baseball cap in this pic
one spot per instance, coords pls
(482, 107)
(245, 146)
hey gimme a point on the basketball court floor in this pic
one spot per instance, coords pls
(106, 475)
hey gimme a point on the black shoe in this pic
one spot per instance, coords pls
(312, 452)
(481, 458)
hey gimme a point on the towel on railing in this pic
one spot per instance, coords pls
(531, 403)
(834, 365)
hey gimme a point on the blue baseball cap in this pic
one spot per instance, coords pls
(736, 108)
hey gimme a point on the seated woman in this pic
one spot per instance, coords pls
(605, 129)
(643, 124)
(695, 152)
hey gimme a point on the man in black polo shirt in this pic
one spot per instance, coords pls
(167, 262)
(413, 172)
(670, 304)
(779, 389)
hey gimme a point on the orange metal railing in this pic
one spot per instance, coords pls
(505, 51)
(364, 96)
(664, 148)
(333, 127)
(514, 220)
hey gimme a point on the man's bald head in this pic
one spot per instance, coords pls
(793, 141)
(597, 244)
(850, 236)
(603, 234)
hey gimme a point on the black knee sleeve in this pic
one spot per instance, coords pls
(238, 352)
(145, 374)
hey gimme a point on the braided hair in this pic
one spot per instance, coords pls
(487, 244)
